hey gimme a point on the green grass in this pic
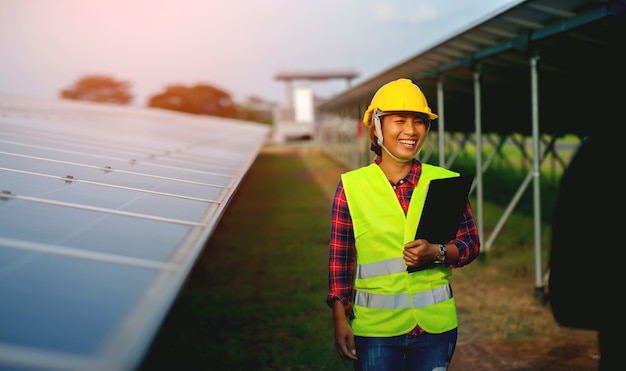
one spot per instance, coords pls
(255, 300)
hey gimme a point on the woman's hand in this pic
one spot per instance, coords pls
(344, 341)
(344, 338)
(419, 252)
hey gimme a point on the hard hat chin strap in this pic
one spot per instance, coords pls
(397, 159)
(378, 127)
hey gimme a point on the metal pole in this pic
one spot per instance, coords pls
(539, 291)
(479, 157)
(440, 122)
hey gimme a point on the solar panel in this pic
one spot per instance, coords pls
(103, 212)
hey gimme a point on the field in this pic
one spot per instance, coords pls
(256, 298)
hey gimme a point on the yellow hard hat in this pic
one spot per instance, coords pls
(398, 96)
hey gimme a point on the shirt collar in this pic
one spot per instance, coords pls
(414, 173)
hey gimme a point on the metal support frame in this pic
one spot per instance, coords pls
(534, 89)
(478, 180)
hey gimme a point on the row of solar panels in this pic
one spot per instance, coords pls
(103, 212)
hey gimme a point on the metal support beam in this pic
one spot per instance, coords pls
(534, 90)
(441, 121)
(479, 159)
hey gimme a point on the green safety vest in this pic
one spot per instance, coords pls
(389, 301)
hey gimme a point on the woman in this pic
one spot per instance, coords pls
(385, 317)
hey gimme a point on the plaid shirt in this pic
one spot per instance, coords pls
(342, 257)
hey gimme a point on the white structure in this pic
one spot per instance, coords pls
(303, 105)
(295, 120)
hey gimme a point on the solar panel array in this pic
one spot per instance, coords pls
(103, 212)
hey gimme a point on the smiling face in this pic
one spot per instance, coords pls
(404, 134)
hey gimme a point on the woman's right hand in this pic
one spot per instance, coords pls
(344, 341)
(344, 338)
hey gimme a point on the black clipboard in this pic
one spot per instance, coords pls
(443, 209)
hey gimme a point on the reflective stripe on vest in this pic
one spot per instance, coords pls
(380, 268)
(399, 301)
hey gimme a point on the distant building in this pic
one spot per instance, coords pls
(295, 119)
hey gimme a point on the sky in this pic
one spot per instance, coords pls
(235, 45)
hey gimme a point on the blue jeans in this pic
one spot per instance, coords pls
(427, 352)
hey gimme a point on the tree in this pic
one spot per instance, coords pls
(99, 88)
(256, 109)
(201, 99)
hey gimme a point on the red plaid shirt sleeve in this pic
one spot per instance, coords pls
(342, 253)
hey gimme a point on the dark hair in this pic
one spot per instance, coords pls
(374, 147)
